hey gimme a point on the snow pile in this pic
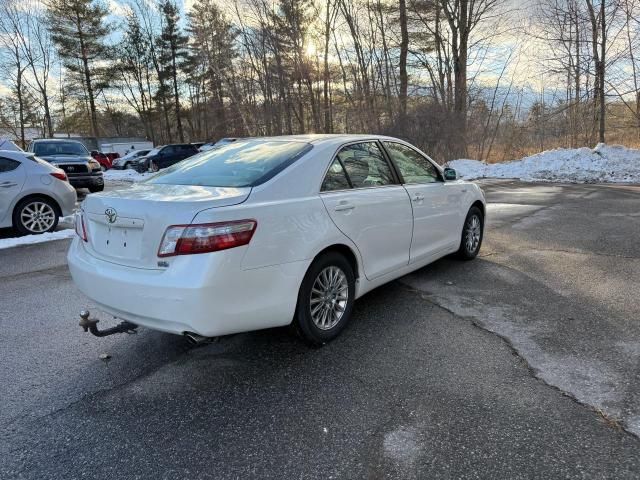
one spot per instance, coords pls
(31, 239)
(130, 176)
(613, 164)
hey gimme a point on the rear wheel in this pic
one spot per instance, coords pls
(472, 233)
(35, 215)
(97, 188)
(325, 299)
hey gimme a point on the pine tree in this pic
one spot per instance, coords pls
(79, 29)
(173, 46)
(212, 52)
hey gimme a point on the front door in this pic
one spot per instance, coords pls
(436, 222)
(368, 205)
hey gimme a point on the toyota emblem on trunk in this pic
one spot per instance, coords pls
(111, 215)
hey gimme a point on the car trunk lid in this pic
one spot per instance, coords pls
(125, 226)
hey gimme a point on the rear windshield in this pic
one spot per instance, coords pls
(245, 163)
(45, 149)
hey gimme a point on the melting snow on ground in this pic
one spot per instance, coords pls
(605, 163)
(31, 239)
(130, 176)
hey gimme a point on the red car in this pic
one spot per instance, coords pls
(102, 158)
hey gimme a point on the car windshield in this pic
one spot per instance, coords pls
(155, 151)
(240, 164)
(45, 149)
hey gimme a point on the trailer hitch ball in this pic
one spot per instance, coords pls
(85, 322)
(90, 325)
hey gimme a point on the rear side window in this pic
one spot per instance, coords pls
(7, 165)
(245, 163)
(335, 179)
(366, 165)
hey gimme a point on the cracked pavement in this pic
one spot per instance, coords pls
(521, 364)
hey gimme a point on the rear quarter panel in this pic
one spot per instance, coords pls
(287, 231)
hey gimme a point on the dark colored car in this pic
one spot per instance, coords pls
(130, 160)
(103, 160)
(165, 156)
(73, 157)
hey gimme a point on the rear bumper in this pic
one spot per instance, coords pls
(206, 294)
(83, 181)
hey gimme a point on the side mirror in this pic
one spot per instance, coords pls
(450, 174)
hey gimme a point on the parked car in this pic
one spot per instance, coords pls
(165, 156)
(112, 156)
(72, 157)
(130, 160)
(102, 159)
(211, 145)
(33, 193)
(265, 230)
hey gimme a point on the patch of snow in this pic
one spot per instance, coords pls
(130, 176)
(32, 239)
(603, 164)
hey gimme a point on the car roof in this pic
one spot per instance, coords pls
(16, 155)
(55, 140)
(322, 138)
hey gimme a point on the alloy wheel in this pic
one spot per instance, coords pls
(329, 297)
(472, 234)
(37, 217)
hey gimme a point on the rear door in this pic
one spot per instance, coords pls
(12, 177)
(435, 204)
(366, 202)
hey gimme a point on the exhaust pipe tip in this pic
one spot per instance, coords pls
(195, 339)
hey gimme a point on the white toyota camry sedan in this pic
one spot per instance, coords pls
(266, 232)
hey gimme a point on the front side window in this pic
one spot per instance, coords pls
(7, 165)
(45, 149)
(413, 167)
(335, 179)
(365, 165)
(245, 163)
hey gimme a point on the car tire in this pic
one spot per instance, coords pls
(472, 234)
(98, 188)
(35, 215)
(325, 299)
(154, 167)
(127, 166)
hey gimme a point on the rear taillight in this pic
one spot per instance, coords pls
(60, 175)
(205, 237)
(81, 228)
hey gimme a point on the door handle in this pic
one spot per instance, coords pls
(343, 207)
(8, 184)
(418, 198)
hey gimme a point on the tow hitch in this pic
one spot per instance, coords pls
(91, 325)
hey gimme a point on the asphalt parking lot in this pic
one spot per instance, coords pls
(524, 363)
